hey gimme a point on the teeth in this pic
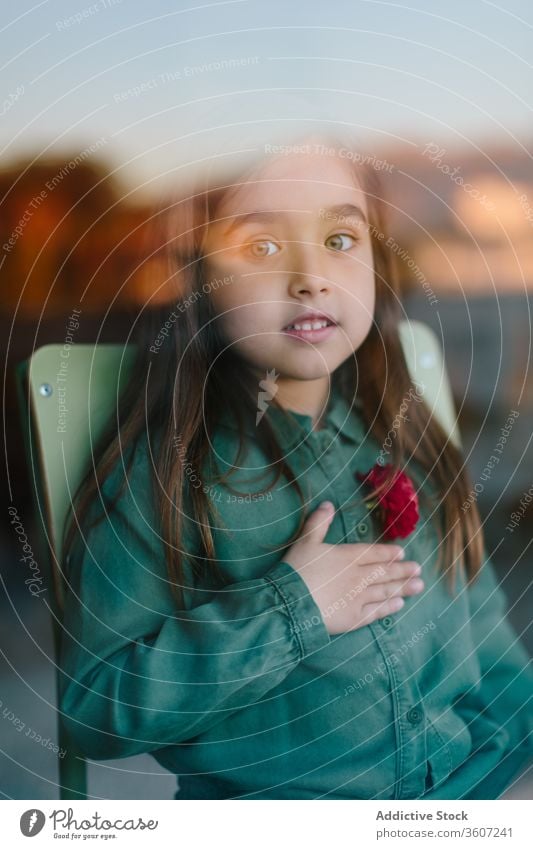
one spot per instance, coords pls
(309, 325)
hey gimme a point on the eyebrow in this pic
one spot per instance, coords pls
(342, 210)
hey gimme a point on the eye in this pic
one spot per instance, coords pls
(261, 249)
(336, 241)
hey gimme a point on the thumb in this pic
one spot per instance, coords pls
(317, 524)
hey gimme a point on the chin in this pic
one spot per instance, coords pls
(306, 371)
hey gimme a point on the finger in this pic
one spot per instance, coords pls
(378, 573)
(375, 552)
(381, 592)
(371, 612)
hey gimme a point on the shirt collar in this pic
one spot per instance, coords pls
(340, 418)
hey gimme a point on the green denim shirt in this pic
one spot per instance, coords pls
(243, 693)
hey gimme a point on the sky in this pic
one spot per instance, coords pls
(149, 82)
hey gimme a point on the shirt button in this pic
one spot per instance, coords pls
(415, 716)
(387, 621)
(362, 528)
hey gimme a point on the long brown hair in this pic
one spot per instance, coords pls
(185, 386)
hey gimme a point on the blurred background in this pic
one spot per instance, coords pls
(99, 121)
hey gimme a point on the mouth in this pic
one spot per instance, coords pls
(311, 327)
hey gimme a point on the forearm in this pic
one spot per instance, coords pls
(202, 664)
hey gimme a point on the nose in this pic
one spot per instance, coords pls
(305, 269)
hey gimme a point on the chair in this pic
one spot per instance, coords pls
(427, 369)
(86, 380)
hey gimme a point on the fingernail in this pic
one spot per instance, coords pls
(398, 603)
(401, 553)
(326, 505)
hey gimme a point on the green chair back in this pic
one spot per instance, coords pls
(66, 396)
(425, 362)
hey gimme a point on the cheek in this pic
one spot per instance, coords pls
(365, 315)
(241, 312)
(360, 286)
(359, 304)
(370, 295)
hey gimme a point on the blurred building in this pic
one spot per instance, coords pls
(466, 219)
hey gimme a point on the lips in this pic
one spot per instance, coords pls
(311, 327)
(309, 321)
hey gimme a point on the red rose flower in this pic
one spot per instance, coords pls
(398, 504)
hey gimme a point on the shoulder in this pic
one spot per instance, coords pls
(118, 565)
(132, 469)
(123, 506)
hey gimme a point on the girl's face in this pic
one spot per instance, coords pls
(293, 242)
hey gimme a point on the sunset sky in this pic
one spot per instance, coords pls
(137, 75)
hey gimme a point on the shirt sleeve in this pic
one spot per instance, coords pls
(505, 691)
(138, 674)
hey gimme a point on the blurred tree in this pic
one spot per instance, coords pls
(65, 230)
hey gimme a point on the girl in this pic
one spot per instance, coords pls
(237, 601)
